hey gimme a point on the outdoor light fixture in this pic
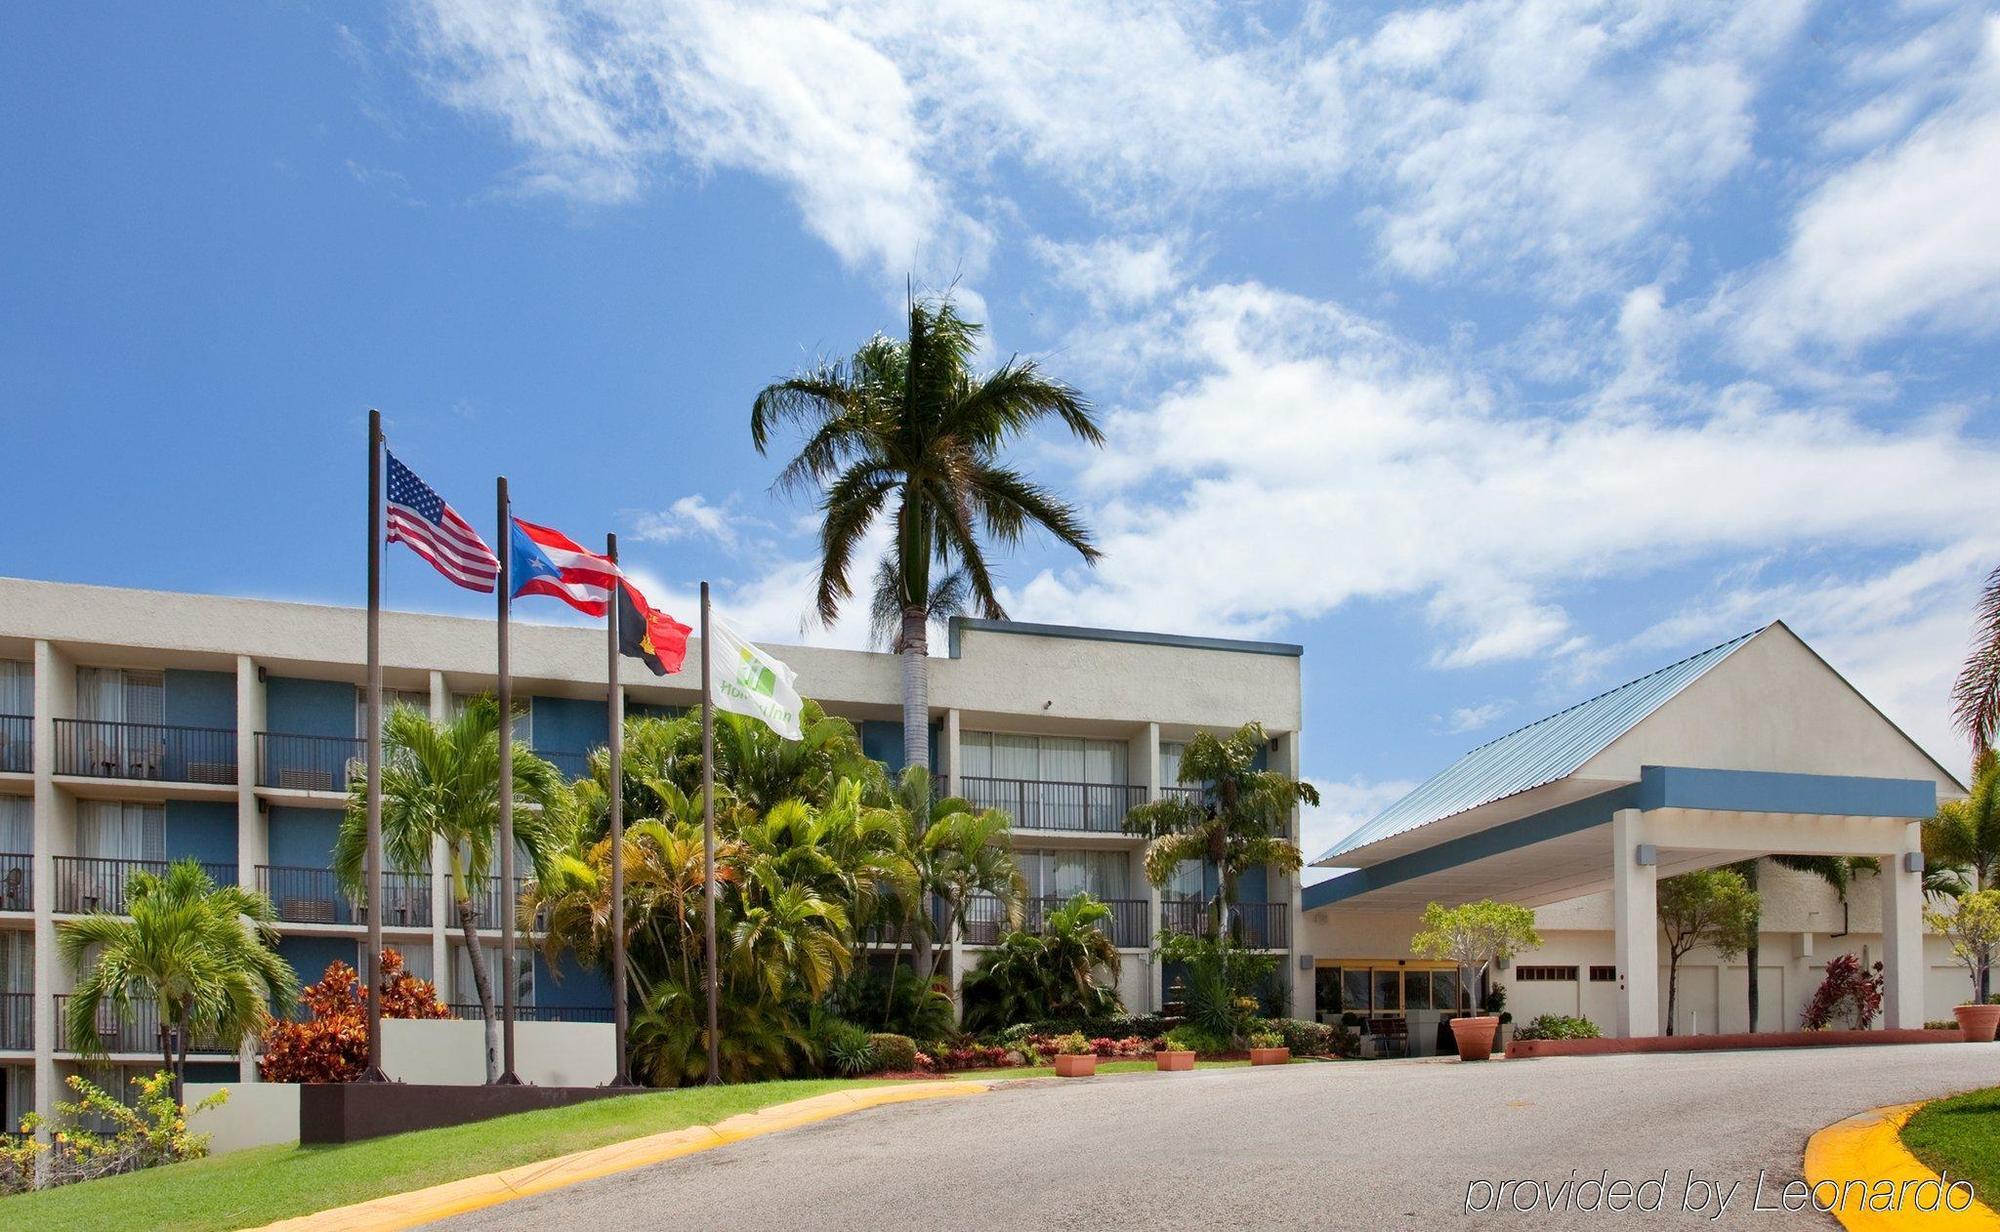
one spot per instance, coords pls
(1913, 861)
(1305, 962)
(1648, 855)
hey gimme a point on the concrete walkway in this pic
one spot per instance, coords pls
(1375, 1145)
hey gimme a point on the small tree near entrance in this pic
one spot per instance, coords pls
(1973, 928)
(1474, 935)
(1714, 907)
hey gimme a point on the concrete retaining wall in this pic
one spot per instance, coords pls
(452, 1052)
(255, 1114)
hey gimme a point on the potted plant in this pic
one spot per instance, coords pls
(1973, 928)
(1268, 1048)
(1074, 1058)
(1174, 1053)
(1472, 935)
(1495, 1003)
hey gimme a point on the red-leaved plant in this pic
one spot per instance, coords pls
(1848, 994)
(332, 1045)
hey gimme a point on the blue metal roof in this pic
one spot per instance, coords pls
(1538, 754)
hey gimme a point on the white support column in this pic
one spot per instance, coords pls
(1902, 937)
(54, 831)
(252, 833)
(952, 760)
(1635, 927)
(1303, 992)
(441, 904)
(1148, 749)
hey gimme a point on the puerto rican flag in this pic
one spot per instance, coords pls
(548, 562)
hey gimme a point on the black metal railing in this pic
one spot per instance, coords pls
(158, 752)
(306, 895)
(473, 1012)
(1130, 925)
(84, 884)
(487, 900)
(307, 763)
(17, 1021)
(17, 743)
(1261, 926)
(1034, 804)
(1193, 795)
(136, 1031)
(573, 765)
(17, 881)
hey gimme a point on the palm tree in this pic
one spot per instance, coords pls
(908, 429)
(1975, 695)
(1964, 836)
(1236, 822)
(1837, 871)
(441, 782)
(204, 953)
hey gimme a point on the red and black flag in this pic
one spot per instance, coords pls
(654, 638)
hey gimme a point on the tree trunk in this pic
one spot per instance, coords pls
(167, 1054)
(914, 647)
(468, 924)
(1752, 953)
(1673, 988)
(181, 1062)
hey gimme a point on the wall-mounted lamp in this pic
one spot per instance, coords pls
(1503, 963)
(262, 675)
(1648, 855)
(1913, 861)
(1305, 962)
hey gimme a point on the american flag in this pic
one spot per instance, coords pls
(419, 517)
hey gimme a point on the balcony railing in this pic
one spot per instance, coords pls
(155, 752)
(84, 884)
(1261, 926)
(17, 743)
(1193, 795)
(137, 1032)
(17, 881)
(17, 1021)
(472, 1012)
(1130, 925)
(305, 895)
(1034, 804)
(487, 900)
(307, 763)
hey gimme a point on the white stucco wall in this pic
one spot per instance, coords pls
(452, 1052)
(255, 1114)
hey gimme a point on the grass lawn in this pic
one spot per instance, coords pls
(1961, 1135)
(254, 1187)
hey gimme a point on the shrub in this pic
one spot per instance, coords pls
(1190, 1038)
(849, 1050)
(895, 1053)
(332, 1045)
(19, 1156)
(1072, 1045)
(150, 1133)
(1558, 1027)
(1315, 1039)
(1848, 995)
(914, 1007)
(1266, 1039)
(1941, 1024)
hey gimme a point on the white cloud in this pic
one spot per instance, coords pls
(1473, 718)
(1907, 238)
(691, 515)
(1111, 272)
(1344, 807)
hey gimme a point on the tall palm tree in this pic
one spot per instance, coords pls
(908, 429)
(441, 781)
(205, 954)
(1236, 822)
(1964, 836)
(956, 853)
(1837, 871)
(1975, 695)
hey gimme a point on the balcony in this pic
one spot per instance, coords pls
(17, 881)
(472, 1012)
(1193, 795)
(138, 1031)
(1129, 926)
(84, 884)
(17, 743)
(1260, 926)
(314, 896)
(487, 902)
(17, 1021)
(308, 763)
(1036, 804)
(149, 752)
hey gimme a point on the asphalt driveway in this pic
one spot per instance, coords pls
(1363, 1145)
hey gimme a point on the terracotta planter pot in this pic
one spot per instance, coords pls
(1076, 1067)
(1168, 1060)
(1978, 1022)
(1476, 1036)
(1270, 1056)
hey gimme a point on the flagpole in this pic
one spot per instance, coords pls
(708, 846)
(507, 1075)
(373, 874)
(614, 706)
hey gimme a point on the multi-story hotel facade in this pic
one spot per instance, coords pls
(138, 727)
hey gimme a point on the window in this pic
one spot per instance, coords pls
(1417, 990)
(17, 687)
(1526, 974)
(1388, 989)
(524, 713)
(17, 961)
(110, 830)
(391, 698)
(1604, 975)
(120, 695)
(1060, 874)
(1354, 988)
(1170, 763)
(1444, 989)
(465, 992)
(17, 826)
(1042, 759)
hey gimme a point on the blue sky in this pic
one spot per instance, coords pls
(1496, 351)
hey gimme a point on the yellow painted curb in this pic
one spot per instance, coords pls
(421, 1206)
(1858, 1154)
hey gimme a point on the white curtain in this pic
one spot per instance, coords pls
(109, 830)
(120, 695)
(1105, 874)
(975, 750)
(391, 698)
(17, 824)
(1170, 764)
(17, 961)
(1105, 761)
(17, 687)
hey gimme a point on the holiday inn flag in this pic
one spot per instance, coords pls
(746, 681)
